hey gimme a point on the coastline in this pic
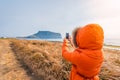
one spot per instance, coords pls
(108, 46)
(112, 47)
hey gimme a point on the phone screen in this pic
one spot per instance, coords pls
(67, 35)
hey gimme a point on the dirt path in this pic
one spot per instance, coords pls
(10, 69)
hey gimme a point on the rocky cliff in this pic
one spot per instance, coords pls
(45, 35)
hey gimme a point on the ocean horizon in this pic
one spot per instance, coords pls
(112, 41)
(57, 39)
(115, 42)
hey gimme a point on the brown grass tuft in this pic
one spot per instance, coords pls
(43, 58)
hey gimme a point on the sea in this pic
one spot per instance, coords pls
(59, 40)
(114, 42)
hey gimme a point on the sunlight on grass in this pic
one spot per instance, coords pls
(45, 60)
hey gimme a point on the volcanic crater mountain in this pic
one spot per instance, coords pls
(46, 35)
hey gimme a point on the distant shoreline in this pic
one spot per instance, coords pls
(112, 47)
(56, 40)
(108, 46)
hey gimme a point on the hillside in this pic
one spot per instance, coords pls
(42, 60)
(46, 35)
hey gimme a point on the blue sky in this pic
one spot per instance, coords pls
(26, 17)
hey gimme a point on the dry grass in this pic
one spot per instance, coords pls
(10, 68)
(111, 66)
(45, 60)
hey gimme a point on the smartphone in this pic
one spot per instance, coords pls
(67, 35)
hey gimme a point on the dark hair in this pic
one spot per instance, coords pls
(74, 33)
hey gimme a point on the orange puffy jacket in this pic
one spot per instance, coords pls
(88, 57)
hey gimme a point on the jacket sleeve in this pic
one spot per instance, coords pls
(69, 56)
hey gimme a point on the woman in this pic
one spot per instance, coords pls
(87, 57)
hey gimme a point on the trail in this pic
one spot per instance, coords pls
(10, 68)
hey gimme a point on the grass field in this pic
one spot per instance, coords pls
(45, 61)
